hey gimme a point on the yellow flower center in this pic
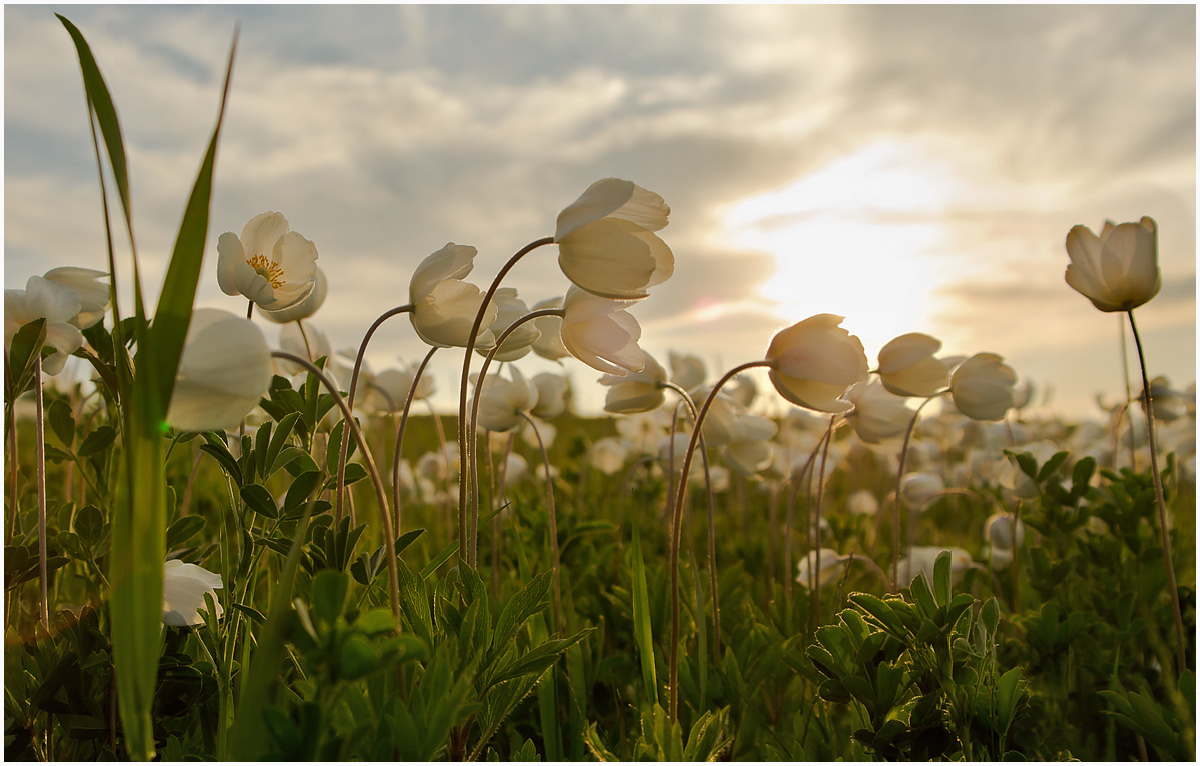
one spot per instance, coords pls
(272, 271)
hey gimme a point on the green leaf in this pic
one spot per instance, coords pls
(183, 530)
(97, 441)
(259, 500)
(26, 344)
(62, 422)
(89, 524)
(922, 595)
(878, 609)
(642, 629)
(1052, 465)
(329, 591)
(356, 658)
(300, 491)
(941, 578)
(1008, 691)
(525, 603)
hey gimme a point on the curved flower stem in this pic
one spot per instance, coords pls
(463, 434)
(249, 309)
(304, 337)
(712, 522)
(44, 603)
(497, 524)
(677, 528)
(342, 456)
(558, 615)
(1128, 393)
(1168, 559)
(816, 522)
(408, 400)
(797, 481)
(472, 463)
(912, 424)
(389, 539)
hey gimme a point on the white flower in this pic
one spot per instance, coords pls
(832, 568)
(509, 310)
(306, 307)
(687, 371)
(444, 306)
(878, 414)
(224, 370)
(396, 384)
(501, 401)
(600, 333)
(862, 502)
(58, 305)
(749, 450)
(1118, 270)
(918, 489)
(608, 455)
(907, 366)
(814, 361)
(637, 391)
(93, 294)
(184, 586)
(269, 264)
(549, 343)
(923, 557)
(606, 242)
(982, 387)
(552, 395)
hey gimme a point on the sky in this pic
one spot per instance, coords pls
(911, 168)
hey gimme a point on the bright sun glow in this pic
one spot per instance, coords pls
(858, 238)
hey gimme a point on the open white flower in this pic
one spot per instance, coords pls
(184, 586)
(58, 305)
(93, 294)
(444, 306)
(223, 372)
(269, 264)
(750, 450)
(687, 371)
(306, 307)
(600, 333)
(606, 240)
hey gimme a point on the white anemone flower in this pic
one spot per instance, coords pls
(608, 455)
(501, 401)
(509, 310)
(184, 586)
(552, 395)
(93, 294)
(749, 452)
(444, 306)
(549, 344)
(878, 414)
(269, 264)
(606, 240)
(224, 370)
(815, 361)
(907, 366)
(600, 333)
(639, 391)
(306, 307)
(832, 568)
(49, 300)
(982, 387)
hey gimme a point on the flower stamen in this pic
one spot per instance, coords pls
(270, 270)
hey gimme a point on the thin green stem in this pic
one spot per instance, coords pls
(820, 479)
(677, 529)
(389, 538)
(553, 518)
(912, 424)
(43, 576)
(1168, 559)
(408, 400)
(463, 434)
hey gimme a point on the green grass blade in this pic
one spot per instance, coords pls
(641, 620)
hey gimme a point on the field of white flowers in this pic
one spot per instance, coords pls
(217, 549)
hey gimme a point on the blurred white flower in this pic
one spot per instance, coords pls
(982, 387)
(637, 391)
(269, 264)
(549, 343)
(923, 557)
(397, 383)
(918, 489)
(641, 432)
(608, 455)
(501, 401)
(224, 370)
(907, 366)
(600, 333)
(606, 242)
(749, 450)
(184, 586)
(862, 502)
(444, 306)
(878, 414)
(509, 310)
(832, 568)
(552, 395)
(93, 294)
(687, 371)
(58, 305)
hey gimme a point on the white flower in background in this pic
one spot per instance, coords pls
(607, 455)
(639, 391)
(878, 414)
(184, 586)
(749, 450)
(58, 305)
(642, 431)
(922, 558)
(444, 306)
(687, 371)
(510, 309)
(307, 306)
(742, 389)
(982, 387)
(552, 395)
(439, 465)
(1168, 403)
(907, 366)
(501, 401)
(918, 489)
(600, 333)
(395, 384)
(516, 469)
(719, 424)
(832, 568)
(718, 477)
(1118, 270)
(862, 502)
(269, 264)
(1000, 532)
(93, 294)
(606, 243)
(815, 361)
(549, 343)
(531, 432)
(224, 370)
